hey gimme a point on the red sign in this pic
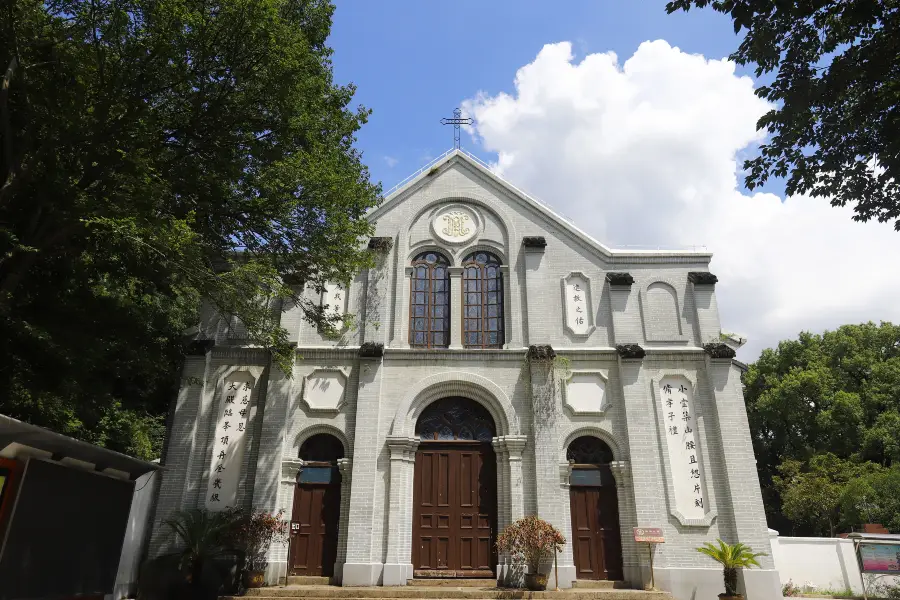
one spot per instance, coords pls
(649, 535)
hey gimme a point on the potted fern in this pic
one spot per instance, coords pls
(531, 541)
(732, 557)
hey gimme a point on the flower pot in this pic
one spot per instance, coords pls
(727, 597)
(536, 582)
(254, 579)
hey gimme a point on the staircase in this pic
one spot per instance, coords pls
(317, 588)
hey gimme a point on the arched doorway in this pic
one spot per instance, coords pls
(454, 497)
(317, 507)
(596, 538)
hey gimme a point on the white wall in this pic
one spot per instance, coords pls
(824, 562)
(135, 536)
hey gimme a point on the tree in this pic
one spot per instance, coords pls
(822, 411)
(153, 154)
(835, 71)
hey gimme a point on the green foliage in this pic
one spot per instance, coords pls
(530, 540)
(834, 87)
(203, 536)
(153, 154)
(824, 414)
(732, 557)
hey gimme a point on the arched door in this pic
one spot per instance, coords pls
(317, 508)
(596, 538)
(455, 500)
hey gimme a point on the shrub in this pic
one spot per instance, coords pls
(530, 540)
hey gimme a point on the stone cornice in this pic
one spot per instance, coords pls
(371, 350)
(511, 445)
(630, 351)
(534, 243)
(620, 279)
(402, 448)
(702, 278)
(719, 350)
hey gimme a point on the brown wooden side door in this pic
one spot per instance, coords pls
(596, 539)
(314, 528)
(455, 509)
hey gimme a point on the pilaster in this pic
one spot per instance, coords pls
(534, 282)
(269, 465)
(546, 408)
(399, 569)
(375, 326)
(704, 290)
(456, 341)
(181, 444)
(646, 481)
(510, 496)
(363, 566)
(631, 559)
(737, 458)
(626, 314)
(345, 468)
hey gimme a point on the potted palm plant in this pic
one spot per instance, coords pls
(204, 538)
(531, 541)
(732, 557)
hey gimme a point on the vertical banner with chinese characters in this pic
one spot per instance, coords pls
(677, 397)
(229, 441)
(578, 304)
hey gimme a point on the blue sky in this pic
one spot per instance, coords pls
(644, 154)
(415, 60)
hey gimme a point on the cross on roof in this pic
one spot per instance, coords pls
(456, 121)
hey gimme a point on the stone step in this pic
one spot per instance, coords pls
(451, 582)
(308, 580)
(313, 592)
(590, 584)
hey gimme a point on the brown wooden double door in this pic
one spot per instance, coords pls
(314, 528)
(596, 539)
(455, 509)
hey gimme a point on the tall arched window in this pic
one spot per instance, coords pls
(482, 301)
(429, 302)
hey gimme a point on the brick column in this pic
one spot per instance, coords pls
(704, 289)
(626, 315)
(567, 556)
(456, 303)
(363, 566)
(741, 479)
(647, 483)
(515, 446)
(631, 562)
(269, 463)
(375, 306)
(510, 497)
(535, 310)
(345, 466)
(398, 568)
(180, 446)
(546, 406)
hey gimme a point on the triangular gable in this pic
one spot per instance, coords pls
(417, 179)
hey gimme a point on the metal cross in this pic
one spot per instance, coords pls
(456, 121)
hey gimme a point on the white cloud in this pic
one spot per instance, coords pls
(648, 152)
(391, 161)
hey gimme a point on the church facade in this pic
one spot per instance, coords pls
(500, 363)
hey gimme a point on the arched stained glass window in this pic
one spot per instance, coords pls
(482, 301)
(429, 302)
(455, 419)
(588, 450)
(591, 457)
